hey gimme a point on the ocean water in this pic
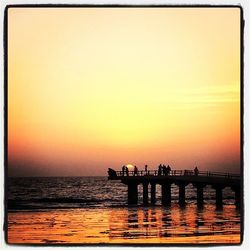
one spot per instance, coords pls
(94, 210)
(92, 192)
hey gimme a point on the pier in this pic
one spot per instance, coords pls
(181, 178)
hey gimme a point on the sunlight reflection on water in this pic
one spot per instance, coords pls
(127, 225)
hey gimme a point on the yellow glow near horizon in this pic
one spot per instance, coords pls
(130, 166)
(94, 87)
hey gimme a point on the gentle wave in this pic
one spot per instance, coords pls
(84, 192)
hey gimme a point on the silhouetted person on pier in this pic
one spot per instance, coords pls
(123, 170)
(159, 169)
(196, 171)
(135, 171)
(168, 170)
(126, 168)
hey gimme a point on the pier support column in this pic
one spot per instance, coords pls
(166, 194)
(145, 193)
(218, 190)
(237, 197)
(182, 194)
(200, 196)
(132, 193)
(153, 199)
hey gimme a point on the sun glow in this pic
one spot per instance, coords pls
(130, 166)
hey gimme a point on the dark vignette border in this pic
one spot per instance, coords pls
(5, 42)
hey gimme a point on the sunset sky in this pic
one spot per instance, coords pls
(92, 88)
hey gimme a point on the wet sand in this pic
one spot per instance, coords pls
(126, 225)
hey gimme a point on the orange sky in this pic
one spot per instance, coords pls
(92, 88)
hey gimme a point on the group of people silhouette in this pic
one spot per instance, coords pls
(125, 170)
(162, 170)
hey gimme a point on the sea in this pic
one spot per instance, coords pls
(94, 210)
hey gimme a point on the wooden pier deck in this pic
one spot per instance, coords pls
(181, 178)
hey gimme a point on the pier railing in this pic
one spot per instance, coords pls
(178, 173)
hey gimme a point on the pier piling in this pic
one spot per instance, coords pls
(237, 197)
(200, 200)
(145, 193)
(166, 194)
(200, 196)
(182, 194)
(153, 188)
(132, 193)
(219, 201)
